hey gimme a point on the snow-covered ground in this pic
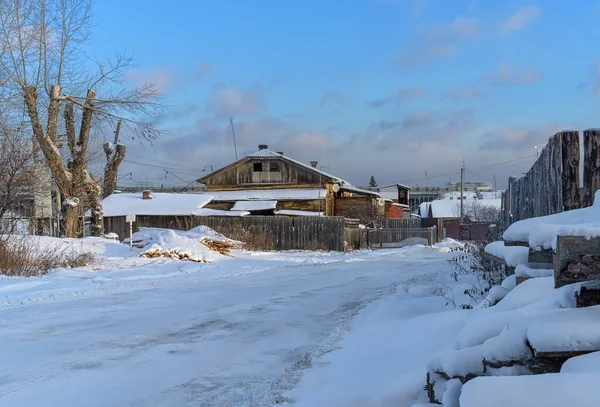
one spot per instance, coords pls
(256, 329)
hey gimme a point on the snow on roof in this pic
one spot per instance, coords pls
(289, 194)
(264, 153)
(216, 212)
(254, 205)
(542, 231)
(394, 186)
(450, 208)
(352, 188)
(290, 212)
(160, 204)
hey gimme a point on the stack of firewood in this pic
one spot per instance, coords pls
(171, 254)
(223, 246)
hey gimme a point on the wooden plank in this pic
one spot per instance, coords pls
(494, 258)
(591, 166)
(515, 243)
(540, 257)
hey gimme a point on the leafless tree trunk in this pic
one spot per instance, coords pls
(40, 53)
(115, 153)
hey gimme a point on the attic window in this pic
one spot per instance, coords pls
(257, 167)
(274, 167)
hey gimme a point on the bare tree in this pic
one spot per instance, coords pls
(19, 182)
(115, 153)
(41, 54)
(476, 211)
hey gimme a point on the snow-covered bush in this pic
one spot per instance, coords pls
(23, 257)
(481, 273)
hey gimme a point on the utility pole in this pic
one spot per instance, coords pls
(462, 186)
(320, 186)
(233, 133)
(426, 179)
(495, 188)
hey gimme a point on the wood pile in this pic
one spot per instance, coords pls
(222, 246)
(172, 254)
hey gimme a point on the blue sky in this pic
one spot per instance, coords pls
(390, 88)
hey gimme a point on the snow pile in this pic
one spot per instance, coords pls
(575, 330)
(199, 244)
(589, 363)
(548, 390)
(513, 255)
(541, 232)
(525, 271)
(498, 335)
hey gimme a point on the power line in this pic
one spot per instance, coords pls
(163, 167)
(478, 168)
(163, 162)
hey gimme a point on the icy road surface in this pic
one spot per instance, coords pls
(240, 332)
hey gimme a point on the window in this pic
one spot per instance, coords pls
(257, 167)
(274, 167)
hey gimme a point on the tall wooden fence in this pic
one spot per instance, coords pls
(258, 232)
(552, 184)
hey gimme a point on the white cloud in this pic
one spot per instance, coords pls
(435, 41)
(230, 101)
(521, 19)
(163, 78)
(400, 96)
(510, 75)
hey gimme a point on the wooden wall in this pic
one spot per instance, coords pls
(551, 185)
(259, 232)
(242, 175)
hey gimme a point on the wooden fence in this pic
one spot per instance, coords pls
(552, 184)
(393, 238)
(403, 223)
(258, 232)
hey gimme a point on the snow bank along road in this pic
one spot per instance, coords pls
(239, 332)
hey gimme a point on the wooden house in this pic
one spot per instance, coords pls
(293, 186)
(266, 169)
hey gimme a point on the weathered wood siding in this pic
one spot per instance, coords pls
(259, 232)
(591, 166)
(413, 223)
(551, 185)
(243, 175)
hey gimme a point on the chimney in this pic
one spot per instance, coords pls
(280, 152)
(314, 164)
(147, 194)
(263, 146)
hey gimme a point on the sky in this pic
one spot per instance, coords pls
(396, 89)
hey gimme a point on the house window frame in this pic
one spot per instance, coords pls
(274, 166)
(257, 166)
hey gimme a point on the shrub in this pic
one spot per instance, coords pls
(21, 257)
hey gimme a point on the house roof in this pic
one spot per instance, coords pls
(352, 188)
(266, 153)
(254, 205)
(450, 208)
(394, 186)
(160, 204)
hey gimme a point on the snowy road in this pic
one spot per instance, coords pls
(224, 337)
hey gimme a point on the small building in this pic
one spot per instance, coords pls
(286, 187)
